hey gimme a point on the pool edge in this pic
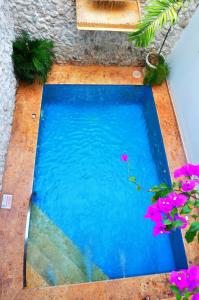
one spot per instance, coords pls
(18, 178)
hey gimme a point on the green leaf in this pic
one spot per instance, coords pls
(185, 210)
(132, 179)
(38, 66)
(190, 202)
(189, 236)
(196, 203)
(187, 294)
(195, 216)
(174, 289)
(194, 227)
(159, 193)
(167, 222)
(154, 189)
(157, 15)
(176, 184)
(163, 186)
(178, 223)
(139, 187)
(173, 212)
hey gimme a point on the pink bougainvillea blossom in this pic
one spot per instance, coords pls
(193, 277)
(195, 297)
(187, 170)
(183, 220)
(186, 279)
(153, 213)
(124, 157)
(177, 199)
(180, 279)
(188, 185)
(165, 205)
(159, 228)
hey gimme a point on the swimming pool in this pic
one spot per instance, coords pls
(87, 219)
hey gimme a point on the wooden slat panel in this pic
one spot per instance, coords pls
(121, 17)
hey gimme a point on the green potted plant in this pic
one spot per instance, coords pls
(158, 13)
(32, 58)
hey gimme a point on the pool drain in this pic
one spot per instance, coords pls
(137, 74)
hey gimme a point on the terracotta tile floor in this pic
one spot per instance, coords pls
(18, 179)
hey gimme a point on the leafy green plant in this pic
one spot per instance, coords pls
(157, 14)
(158, 75)
(32, 58)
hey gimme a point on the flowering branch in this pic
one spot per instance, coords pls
(185, 283)
(171, 208)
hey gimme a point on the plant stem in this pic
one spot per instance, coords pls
(164, 40)
(182, 192)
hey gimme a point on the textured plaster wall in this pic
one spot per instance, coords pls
(56, 20)
(184, 86)
(7, 81)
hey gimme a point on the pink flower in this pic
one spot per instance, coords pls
(124, 157)
(177, 199)
(183, 220)
(165, 205)
(187, 171)
(195, 297)
(153, 213)
(179, 279)
(188, 185)
(193, 277)
(159, 228)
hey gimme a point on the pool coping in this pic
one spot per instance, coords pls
(18, 178)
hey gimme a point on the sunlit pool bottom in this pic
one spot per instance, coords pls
(87, 219)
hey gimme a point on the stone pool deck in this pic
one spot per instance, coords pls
(18, 178)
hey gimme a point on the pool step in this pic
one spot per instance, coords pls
(53, 256)
(36, 279)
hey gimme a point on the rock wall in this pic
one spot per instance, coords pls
(7, 80)
(56, 20)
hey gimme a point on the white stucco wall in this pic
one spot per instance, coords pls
(184, 86)
(7, 81)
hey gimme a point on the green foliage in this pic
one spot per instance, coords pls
(158, 75)
(176, 291)
(160, 191)
(185, 210)
(132, 179)
(32, 58)
(157, 14)
(197, 203)
(192, 232)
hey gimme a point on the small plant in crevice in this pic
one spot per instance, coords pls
(32, 58)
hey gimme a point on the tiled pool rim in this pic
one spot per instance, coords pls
(18, 179)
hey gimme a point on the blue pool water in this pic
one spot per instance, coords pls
(81, 183)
